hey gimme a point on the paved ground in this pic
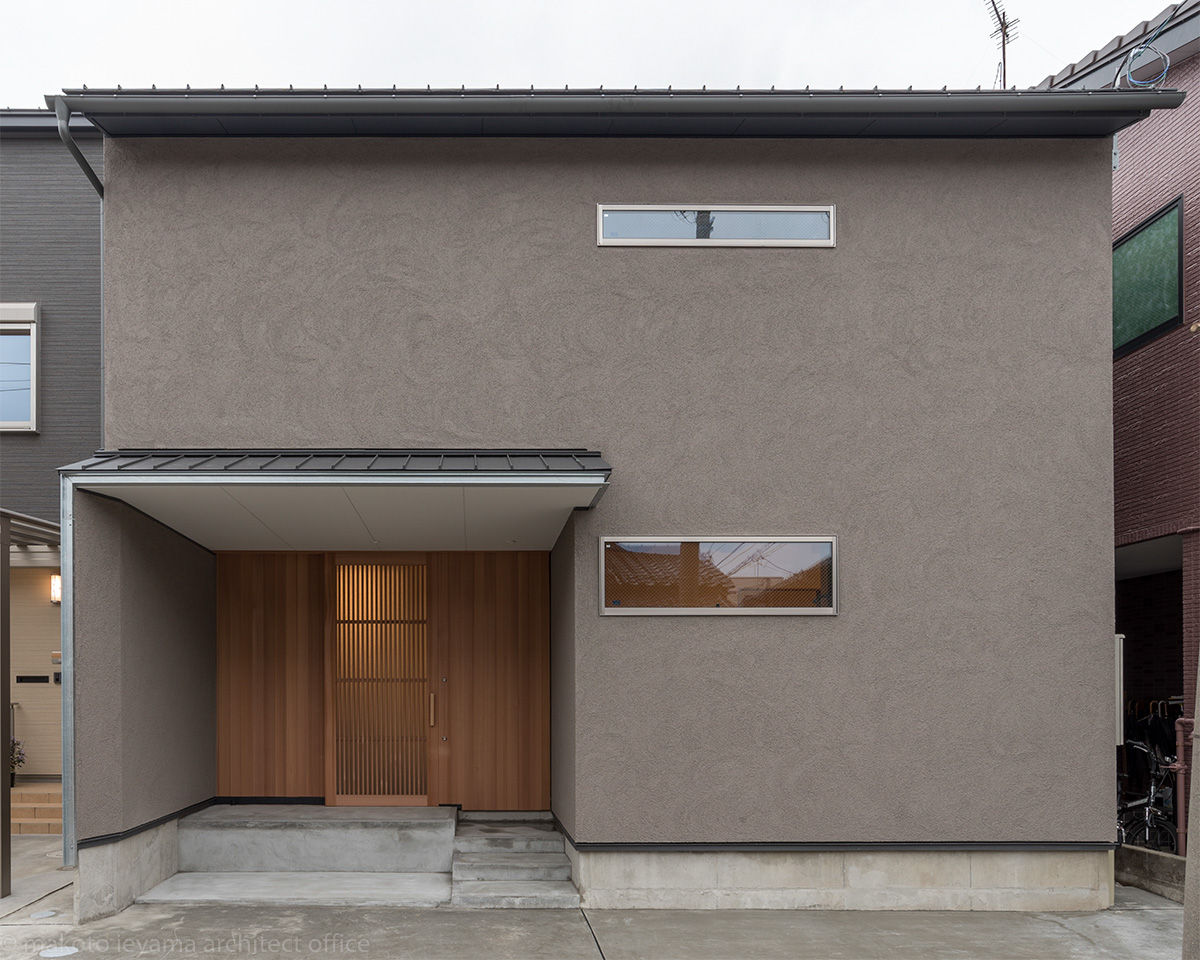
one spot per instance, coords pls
(1141, 927)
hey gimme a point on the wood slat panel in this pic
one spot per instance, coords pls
(490, 636)
(270, 674)
(381, 681)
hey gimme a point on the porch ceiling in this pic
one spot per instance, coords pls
(353, 500)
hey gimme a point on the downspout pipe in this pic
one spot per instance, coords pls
(63, 112)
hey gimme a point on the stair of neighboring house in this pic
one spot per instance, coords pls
(510, 864)
(37, 808)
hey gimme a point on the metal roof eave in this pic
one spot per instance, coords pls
(914, 113)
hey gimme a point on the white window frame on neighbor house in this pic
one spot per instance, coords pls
(24, 316)
(602, 241)
(829, 611)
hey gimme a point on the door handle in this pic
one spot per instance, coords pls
(432, 715)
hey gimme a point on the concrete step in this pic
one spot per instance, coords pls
(304, 889)
(545, 894)
(474, 837)
(251, 838)
(21, 826)
(37, 811)
(26, 795)
(507, 816)
(511, 866)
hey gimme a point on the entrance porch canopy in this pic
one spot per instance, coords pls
(352, 499)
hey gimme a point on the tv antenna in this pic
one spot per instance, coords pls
(1006, 30)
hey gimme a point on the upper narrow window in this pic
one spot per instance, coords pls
(718, 575)
(714, 225)
(18, 366)
(1147, 279)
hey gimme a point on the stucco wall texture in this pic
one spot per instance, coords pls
(145, 669)
(935, 391)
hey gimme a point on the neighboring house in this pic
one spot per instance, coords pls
(1156, 364)
(49, 394)
(389, 374)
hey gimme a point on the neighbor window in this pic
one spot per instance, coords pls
(714, 225)
(1147, 273)
(718, 575)
(18, 366)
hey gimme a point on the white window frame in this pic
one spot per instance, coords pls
(602, 241)
(829, 611)
(24, 316)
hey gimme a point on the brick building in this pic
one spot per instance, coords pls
(1156, 359)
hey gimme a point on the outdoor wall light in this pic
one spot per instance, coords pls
(55, 588)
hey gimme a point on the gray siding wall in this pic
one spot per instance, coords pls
(50, 254)
(936, 391)
(145, 669)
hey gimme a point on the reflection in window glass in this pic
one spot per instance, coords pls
(16, 372)
(718, 226)
(1146, 278)
(731, 576)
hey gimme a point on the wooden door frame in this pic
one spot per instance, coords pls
(332, 560)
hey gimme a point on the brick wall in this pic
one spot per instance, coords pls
(1156, 389)
(1191, 618)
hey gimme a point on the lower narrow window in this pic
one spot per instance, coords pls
(718, 575)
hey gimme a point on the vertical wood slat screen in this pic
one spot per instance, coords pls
(381, 684)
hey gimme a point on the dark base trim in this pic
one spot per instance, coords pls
(183, 812)
(143, 827)
(835, 846)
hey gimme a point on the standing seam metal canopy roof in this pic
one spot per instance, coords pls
(409, 462)
(287, 499)
(612, 113)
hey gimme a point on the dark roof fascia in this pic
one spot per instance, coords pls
(871, 113)
(41, 124)
(1097, 70)
(258, 462)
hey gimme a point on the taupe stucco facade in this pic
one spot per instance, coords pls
(145, 668)
(935, 391)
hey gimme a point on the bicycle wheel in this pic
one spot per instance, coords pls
(1157, 835)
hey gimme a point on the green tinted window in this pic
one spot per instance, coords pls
(1146, 278)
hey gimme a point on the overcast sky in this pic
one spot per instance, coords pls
(618, 43)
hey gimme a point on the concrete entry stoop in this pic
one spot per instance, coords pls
(511, 864)
(292, 854)
(299, 837)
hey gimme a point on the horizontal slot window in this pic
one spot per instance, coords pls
(720, 225)
(718, 576)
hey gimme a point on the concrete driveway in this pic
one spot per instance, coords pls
(1142, 927)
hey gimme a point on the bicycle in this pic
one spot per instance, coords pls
(1146, 822)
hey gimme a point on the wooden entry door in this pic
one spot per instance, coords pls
(489, 623)
(377, 681)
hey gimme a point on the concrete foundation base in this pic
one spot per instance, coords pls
(111, 876)
(850, 880)
(1153, 870)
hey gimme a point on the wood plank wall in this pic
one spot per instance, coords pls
(489, 624)
(270, 674)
